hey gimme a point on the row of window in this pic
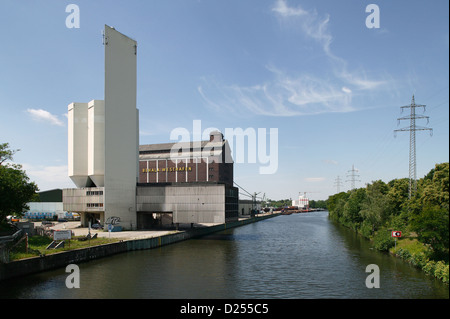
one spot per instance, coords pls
(94, 205)
(94, 193)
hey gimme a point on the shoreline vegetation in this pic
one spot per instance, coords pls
(37, 246)
(380, 208)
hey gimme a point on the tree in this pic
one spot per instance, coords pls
(335, 205)
(429, 216)
(15, 188)
(375, 208)
(352, 207)
(5, 153)
(398, 194)
(432, 228)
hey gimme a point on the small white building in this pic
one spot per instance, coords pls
(302, 202)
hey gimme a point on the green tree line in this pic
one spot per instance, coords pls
(379, 208)
(16, 190)
(288, 202)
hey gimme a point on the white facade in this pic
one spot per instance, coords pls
(121, 128)
(302, 202)
(96, 142)
(77, 143)
(86, 143)
(103, 139)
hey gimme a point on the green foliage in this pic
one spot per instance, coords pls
(15, 188)
(442, 271)
(432, 227)
(318, 204)
(280, 203)
(376, 207)
(336, 204)
(5, 153)
(352, 208)
(438, 269)
(37, 246)
(379, 208)
(383, 240)
(398, 194)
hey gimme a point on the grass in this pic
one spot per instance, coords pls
(410, 244)
(37, 246)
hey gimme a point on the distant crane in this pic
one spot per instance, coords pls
(253, 197)
(254, 206)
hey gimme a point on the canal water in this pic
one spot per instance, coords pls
(299, 256)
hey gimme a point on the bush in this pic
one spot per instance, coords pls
(441, 271)
(366, 229)
(403, 254)
(383, 240)
(419, 260)
(429, 267)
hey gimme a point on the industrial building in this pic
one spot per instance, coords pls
(133, 187)
(48, 205)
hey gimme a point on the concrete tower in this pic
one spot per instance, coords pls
(121, 127)
(103, 141)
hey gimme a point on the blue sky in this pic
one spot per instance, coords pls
(312, 69)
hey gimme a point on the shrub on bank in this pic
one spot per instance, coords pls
(441, 271)
(379, 208)
(383, 240)
(419, 259)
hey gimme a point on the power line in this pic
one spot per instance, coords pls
(412, 128)
(242, 189)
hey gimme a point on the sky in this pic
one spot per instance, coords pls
(328, 77)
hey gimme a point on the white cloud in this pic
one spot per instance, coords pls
(314, 179)
(346, 90)
(285, 94)
(329, 161)
(316, 28)
(44, 116)
(48, 177)
(281, 8)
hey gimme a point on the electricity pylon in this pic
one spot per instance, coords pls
(412, 128)
(353, 176)
(338, 184)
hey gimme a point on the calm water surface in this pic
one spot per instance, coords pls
(295, 256)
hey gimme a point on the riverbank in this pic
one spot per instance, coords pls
(415, 253)
(129, 241)
(410, 250)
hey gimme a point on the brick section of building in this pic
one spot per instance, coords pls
(205, 161)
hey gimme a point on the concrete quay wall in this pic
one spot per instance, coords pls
(58, 260)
